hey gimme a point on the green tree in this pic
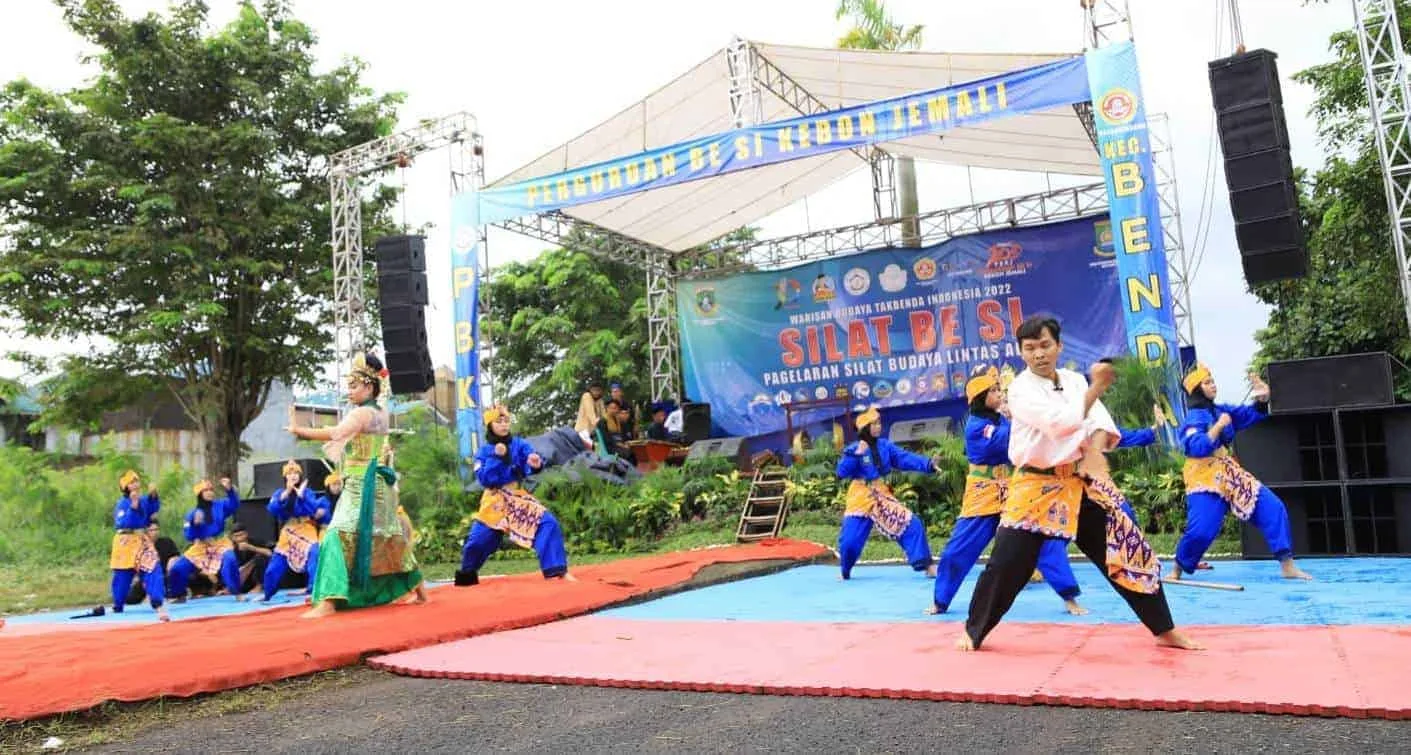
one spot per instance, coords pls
(1350, 301)
(874, 29)
(175, 209)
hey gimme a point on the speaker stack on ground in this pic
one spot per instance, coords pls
(1254, 140)
(402, 300)
(695, 421)
(1333, 448)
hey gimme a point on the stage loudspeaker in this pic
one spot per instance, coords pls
(909, 431)
(1254, 139)
(400, 254)
(1354, 380)
(269, 477)
(728, 447)
(695, 421)
(402, 288)
(259, 524)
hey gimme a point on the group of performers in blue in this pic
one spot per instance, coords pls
(1038, 479)
(299, 512)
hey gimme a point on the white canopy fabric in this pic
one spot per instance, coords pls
(697, 104)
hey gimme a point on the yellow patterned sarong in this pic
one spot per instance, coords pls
(1222, 475)
(985, 490)
(875, 501)
(132, 549)
(206, 555)
(296, 538)
(513, 511)
(1048, 503)
(1131, 562)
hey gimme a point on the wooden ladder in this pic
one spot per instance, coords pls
(766, 506)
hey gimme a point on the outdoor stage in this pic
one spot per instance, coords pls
(1338, 646)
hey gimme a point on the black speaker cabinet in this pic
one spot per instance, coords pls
(1246, 78)
(911, 431)
(1350, 380)
(402, 288)
(400, 253)
(1341, 472)
(254, 514)
(695, 421)
(733, 448)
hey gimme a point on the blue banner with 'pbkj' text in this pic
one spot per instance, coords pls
(1056, 84)
(1124, 144)
(894, 326)
(465, 294)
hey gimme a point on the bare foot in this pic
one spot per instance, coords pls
(964, 644)
(162, 614)
(1037, 576)
(1290, 570)
(933, 610)
(842, 578)
(1204, 566)
(1073, 608)
(1175, 573)
(239, 598)
(322, 609)
(568, 577)
(1175, 639)
(931, 571)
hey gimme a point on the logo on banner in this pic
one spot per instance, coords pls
(464, 240)
(1004, 259)
(882, 389)
(1118, 107)
(904, 386)
(857, 281)
(706, 303)
(824, 289)
(892, 278)
(925, 269)
(786, 293)
(1103, 243)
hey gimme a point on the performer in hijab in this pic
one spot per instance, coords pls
(1215, 480)
(134, 552)
(866, 461)
(211, 553)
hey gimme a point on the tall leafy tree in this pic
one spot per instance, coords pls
(1350, 301)
(875, 29)
(175, 209)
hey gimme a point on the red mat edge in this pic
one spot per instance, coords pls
(697, 559)
(1066, 701)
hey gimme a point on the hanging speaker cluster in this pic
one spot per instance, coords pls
(1254, 139)
(402, 300)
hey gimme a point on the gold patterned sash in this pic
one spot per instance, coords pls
(1222, 475)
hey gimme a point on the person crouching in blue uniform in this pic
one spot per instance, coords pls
(1216, 482)
(986, 484)
(506, 508)
(870, 502)
(133, 550)
(301, 515)
(211, 552)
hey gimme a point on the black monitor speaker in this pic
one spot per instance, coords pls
(910, 431)
(695, 421)
(1352, 380)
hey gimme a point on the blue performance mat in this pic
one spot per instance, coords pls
(1344, 591)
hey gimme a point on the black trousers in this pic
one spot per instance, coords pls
(1016, 553)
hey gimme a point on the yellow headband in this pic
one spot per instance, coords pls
(332, 479)
(202, 485)
(1195, 377)
(867, 417)
(495, 412)
(981, 383)
(127, 478)
(291, 466)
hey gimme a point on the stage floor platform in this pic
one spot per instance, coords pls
(1337, 646)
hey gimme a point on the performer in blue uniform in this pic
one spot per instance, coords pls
(987, 450)
(211, 552)
(506, 508)
(1215, 481)
(866, 462)
(133, 551)
(301, 515)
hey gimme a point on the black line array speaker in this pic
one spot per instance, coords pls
(402, 295)
(695, 421)
(1351, 380)
(1249, 114)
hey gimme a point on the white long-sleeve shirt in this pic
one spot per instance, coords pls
(675, 421)
(1047, 426)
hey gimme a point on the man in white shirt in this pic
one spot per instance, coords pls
(1059, 430)
(675, 422)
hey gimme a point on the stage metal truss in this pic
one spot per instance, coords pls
(937, 226)
(1178, 258)
(345, 172)
(1384, 68)
(1105, 22)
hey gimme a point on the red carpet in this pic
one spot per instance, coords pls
(1315, 670)
(56, 672)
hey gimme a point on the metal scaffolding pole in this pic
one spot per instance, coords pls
(1389, 97)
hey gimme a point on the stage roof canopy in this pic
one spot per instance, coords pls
(697, 104)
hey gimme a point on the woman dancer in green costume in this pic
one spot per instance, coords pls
(365, 555)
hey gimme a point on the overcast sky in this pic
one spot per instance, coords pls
(538, 73)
